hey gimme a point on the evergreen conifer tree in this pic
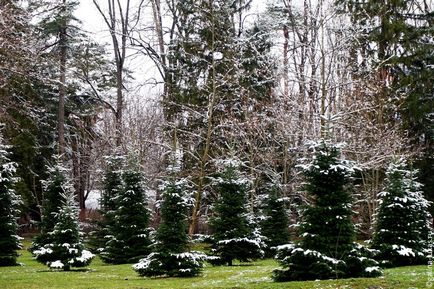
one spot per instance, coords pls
(112, 186)
(65, 249)
(233, 235)
(326, 248)
(275, 225)
(9, 241)
(55, 186)
(170, 256)
(402, 219)
(129, 239)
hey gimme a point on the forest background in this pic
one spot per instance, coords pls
(211, 80)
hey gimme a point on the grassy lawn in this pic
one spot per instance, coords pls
(257, 275)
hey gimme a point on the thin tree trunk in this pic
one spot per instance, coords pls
(116, 15)
(62, 85)
(156, 9)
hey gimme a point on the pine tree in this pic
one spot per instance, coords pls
(65, 249)
(233, 235)
(326, 248)
(275, 225)
(9, 241)
(129, 235)
(402, 219)
(170, 256)
(55, 186)
(112, 183)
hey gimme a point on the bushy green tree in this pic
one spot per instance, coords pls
(65, 249)
(112, 183)
(170, 256)
(326, 248)
(275, 224)
(402, 225)
(54, 187)
(129, 236)
(233, 234)
(9, 241)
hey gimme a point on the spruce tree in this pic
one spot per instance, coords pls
(170, 256)
(112, 186)
(9, 241)
(326, 248)
(128, 239)
(65, 249)
(402, 224)
(275, 225)
(54, 187)
(233, 234)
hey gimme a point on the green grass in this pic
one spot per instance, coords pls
(33, 275)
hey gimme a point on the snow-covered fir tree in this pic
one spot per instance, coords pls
(9, 240)
(65, 249)
(112, 186)
(234, 237)
(129, 236)
(326, 248)
(402, 221)
(170, 256)
(56, 185)
(275, 223)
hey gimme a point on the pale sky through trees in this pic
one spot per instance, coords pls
(143, 68)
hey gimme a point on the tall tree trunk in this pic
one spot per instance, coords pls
(62, 84)
(117, 15)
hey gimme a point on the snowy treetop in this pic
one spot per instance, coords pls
(326, 148)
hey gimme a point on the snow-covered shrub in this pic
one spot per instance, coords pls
(361, 263)
(66, 249)
(242, 249)
(305, 264)
(234, 236)
(402, 220)
(9, 201)
(185, 264)
(326, 248)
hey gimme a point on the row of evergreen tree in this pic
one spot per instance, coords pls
(325, 247)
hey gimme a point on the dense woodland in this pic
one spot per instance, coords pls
(239, 103)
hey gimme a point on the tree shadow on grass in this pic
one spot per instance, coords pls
(75, 270)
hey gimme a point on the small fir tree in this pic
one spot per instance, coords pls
(54, 187)
(129, 239)
(402, 224)
(275, 225)
(112, 186)
(326, 248)
(233, 234)
(170, 256)
(65, 249)
(9, 241)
